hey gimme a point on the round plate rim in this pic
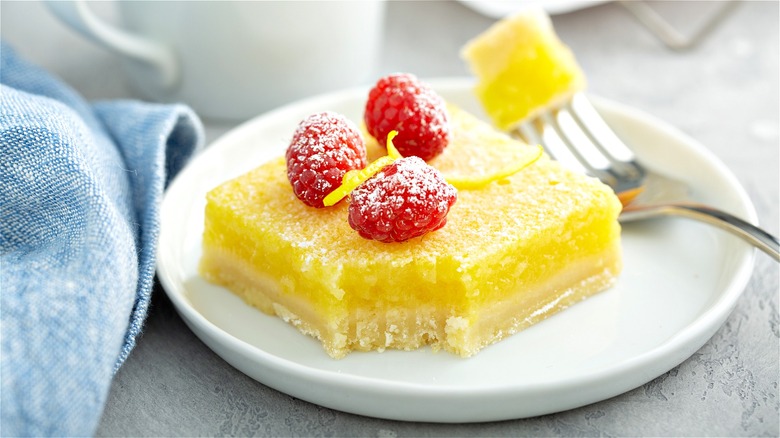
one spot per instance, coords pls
(637, 369)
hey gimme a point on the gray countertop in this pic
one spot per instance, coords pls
(723, 93)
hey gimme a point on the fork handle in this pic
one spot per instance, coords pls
(747, 231)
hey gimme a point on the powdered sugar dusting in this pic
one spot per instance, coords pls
(324, 147)
(406, 199)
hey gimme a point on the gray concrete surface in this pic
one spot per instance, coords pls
(723, 93)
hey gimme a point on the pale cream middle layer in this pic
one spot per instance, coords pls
(418, 324)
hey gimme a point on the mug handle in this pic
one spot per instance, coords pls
(162, 59)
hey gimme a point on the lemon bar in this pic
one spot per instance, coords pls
(521, 67)
(512, 253)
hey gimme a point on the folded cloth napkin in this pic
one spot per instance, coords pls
(79, 221)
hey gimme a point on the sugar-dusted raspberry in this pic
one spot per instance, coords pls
(406, 199)
(323, 148)
(403, 103)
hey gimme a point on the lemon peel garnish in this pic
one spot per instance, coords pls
(391, 150)
(355, 177)
(471, 182)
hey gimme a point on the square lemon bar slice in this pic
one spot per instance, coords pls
(513, 252)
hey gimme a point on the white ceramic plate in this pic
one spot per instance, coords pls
(502, 8)
(681, 281)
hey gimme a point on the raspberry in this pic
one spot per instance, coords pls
(401, 102)
(406, 199)
(323, 148)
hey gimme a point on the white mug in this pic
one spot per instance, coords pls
(233, 60)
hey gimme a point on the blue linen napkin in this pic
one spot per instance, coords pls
(79, 221)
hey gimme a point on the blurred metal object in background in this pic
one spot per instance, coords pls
(667, 33)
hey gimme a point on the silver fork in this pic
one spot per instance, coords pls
(576, 135)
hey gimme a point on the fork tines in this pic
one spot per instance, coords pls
(576, 135)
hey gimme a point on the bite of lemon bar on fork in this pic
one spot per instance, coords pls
(522, 67)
